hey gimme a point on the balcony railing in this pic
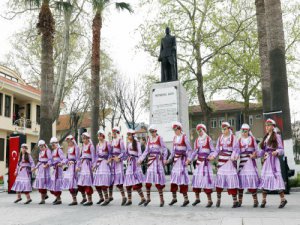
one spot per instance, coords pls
(22, 123)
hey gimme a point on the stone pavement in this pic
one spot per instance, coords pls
(115, 214)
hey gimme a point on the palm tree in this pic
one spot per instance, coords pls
(99, 6)
(46, 28)
(277, 62)
(263, 55)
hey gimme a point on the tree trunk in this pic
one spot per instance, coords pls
(276, 46)
(95, 78)
(263, 54)
(59, 87)
(45, 27)
(206, 110)
(246, 110)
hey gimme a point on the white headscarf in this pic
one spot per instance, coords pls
(245, 126)
(226, 124)
(177, 124)
(42, 142)
(204, 130)
(86, 134)
(272, 122)
(54, 140)
(70, 137)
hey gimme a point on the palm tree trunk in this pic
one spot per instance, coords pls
(95, 70)
(46, 27)
(263, 55)
(276, 46)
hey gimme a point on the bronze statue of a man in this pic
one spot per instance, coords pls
(168, 58)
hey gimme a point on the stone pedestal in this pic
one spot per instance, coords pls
(169, 103)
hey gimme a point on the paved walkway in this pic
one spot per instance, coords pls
(115, 214)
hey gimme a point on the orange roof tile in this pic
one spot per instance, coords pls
(22, 86)
(224, 105)
(63, 122)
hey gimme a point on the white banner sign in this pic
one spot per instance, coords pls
(164, 111)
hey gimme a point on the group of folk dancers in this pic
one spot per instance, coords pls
(103, 167)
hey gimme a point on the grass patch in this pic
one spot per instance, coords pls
(295, 182)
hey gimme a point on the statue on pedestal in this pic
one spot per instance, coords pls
(168, 58)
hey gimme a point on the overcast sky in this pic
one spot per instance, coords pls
(120, 40)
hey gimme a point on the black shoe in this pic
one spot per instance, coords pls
(235, 205)
(19, 199)
(106, 202)
(83, 201)
(54, 201)
(147, 202)
(218, 203)
(185, 203)
(263, 204)
(162, 204)
(42, 202)
(255, 205)
(88, 204)
(100, 201)
(27, 202)
(124, 200)
(142, 201)
(128, 203)
(46, 197)
(173, 202)
(58, 202)
(73, 203)
(111, 199)
(239, 204)
(282, 204)
(196, 202)
(209, 204)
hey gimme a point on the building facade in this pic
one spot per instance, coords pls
(230, 111)
(19, 113)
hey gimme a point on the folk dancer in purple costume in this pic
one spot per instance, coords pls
(248, 172)
(84, 167)
(134, 176)
(70, 176)
(102, 173)
(271, 178)
(180, 153)
(116, 164)
(58, 160)
(227, 176)
(157, 154)
(203, 174)
(23, 175)
(43, 180)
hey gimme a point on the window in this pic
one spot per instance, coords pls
(38, 114)
(213, 123)
(258, 116)
(251, 120)
(7, 110)
(1, 149)
(221, 120)
(8, 77)
(1, 103)
(28, 111)
(232, 122)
